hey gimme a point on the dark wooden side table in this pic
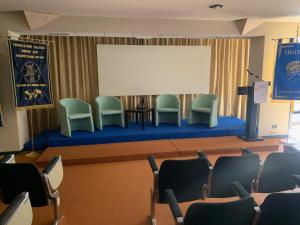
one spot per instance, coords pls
(142, 112)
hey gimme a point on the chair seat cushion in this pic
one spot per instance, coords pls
(201, 109)
(75, 116)
(167, 110)
(111, 112)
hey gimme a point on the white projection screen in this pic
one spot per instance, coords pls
(150, 70)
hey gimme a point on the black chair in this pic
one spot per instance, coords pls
(297, 180)
(185, 177)
(19, 212)
(277, 172)
(290, 148)
(8, 159)
(227, 169)
(277, 208)
(240, 212)
(42, 187)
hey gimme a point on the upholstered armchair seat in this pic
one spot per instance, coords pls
(167, 109)
(109, 111)
(204, 109)
(201, 109)
(79, 116)
(75, 114)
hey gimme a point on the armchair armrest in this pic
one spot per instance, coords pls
(240, 190)
(202, 155)
(152, 163)
(8, 159)
(176, 212)
(247, 151)
(206, 189)
(53, 174)
(83, 106)
(117, 103)
(296, 179)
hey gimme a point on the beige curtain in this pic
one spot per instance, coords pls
(74, 73)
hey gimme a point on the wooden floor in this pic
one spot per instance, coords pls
(108, 193)
(76, 155)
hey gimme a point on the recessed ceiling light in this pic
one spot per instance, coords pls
(215, 6)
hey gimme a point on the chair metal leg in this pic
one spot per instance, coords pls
(57, 211)
(152, 208)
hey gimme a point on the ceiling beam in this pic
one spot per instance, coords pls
(246, 25)
(36, 20)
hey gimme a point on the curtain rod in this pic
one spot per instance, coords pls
(9, 37)
(276, 39)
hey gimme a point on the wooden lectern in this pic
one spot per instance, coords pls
(251, 114)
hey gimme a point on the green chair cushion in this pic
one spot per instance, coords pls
(201, 109)
(75, 116)
(167, 110)
(110, 112)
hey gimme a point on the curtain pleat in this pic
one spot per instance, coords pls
(74, 73)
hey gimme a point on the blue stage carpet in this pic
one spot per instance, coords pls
(228, 126)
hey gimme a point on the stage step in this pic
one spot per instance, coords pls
(128, 151)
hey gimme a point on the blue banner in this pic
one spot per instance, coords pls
(30, 72)
(287, 72)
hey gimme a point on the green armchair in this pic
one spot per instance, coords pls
(109, 110)
(167, 109)
(75, 114)
(204, 109)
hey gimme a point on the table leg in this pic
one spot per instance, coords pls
(136, 117)
(153, 117)
(143, 120)
(126, 119)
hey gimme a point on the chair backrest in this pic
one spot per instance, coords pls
(290, 148)
(240, 212)
(277, 172)
(20, 177)
(8, 159)
(73, 105)
(167, 101)
(109, 102)
(227, 169)
(185, 177)
(204, 100)
(280, 209)
(19, 212)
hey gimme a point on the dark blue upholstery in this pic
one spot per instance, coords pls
(239, 212)
(228, 169)
(278, 171)
(185, 177)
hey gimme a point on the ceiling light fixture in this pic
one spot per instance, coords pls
(215, 6)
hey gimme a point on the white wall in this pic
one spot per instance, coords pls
(274, 115)
(144, 27)
(14, 133)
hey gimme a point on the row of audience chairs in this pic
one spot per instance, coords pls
(76, 114)
(194, 179)
(277, 209)
(42, 187)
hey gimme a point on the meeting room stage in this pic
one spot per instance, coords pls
(228, 126)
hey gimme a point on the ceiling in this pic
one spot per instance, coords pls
(278, 10)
